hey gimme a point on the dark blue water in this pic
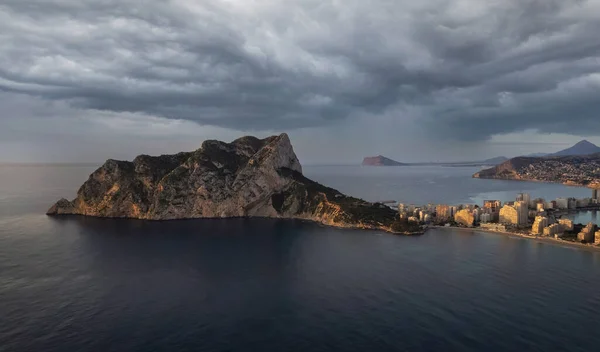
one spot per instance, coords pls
(78, 284)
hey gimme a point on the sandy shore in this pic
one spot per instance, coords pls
(550, 240)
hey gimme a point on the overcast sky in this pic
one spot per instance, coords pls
(87, 80)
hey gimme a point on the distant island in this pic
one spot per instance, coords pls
(248, 177)
(380, 160)
(581, 148)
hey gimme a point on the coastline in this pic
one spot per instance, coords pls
(549, 240)
(566, 183)
(322, 222)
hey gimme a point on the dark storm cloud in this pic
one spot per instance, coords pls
(469, 69)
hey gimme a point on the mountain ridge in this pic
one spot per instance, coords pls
(496, 160)
(583, 147)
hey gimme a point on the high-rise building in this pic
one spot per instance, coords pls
(539, 224)
(442, 212)
(485, 218)
(562, 203)
(595, 193)
(566, 224)
(524, 197)
(514, 214)
(493, 205)
(587, 234)
(523, 211)
(509, 215)
(465, 217)
(453, 211)
(553, 230)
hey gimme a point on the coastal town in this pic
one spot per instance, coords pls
(579, 170)
(573, 171)
(525, 216)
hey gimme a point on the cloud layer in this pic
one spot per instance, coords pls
(465, 69)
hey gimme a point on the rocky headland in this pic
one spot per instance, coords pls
(248, 177)
(576, 170)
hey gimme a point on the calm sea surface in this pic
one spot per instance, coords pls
(83, 284)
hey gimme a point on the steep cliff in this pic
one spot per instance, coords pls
(511, 169)
(247, 177)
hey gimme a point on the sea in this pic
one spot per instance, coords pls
(87, 284)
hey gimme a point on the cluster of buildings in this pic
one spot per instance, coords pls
(589, 235)
(559, 170)
(543, 216)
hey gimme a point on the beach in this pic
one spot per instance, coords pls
(529, 237)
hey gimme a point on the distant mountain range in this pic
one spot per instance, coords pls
(380, 160)
(495, 161)
(583, 147)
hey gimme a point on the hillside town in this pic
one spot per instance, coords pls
(566, 172)
(525, 216)
(582, 170)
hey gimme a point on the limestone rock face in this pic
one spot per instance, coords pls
(510, 169)
(63, 206)
(247, 177)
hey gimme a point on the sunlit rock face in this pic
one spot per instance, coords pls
(247, 177)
